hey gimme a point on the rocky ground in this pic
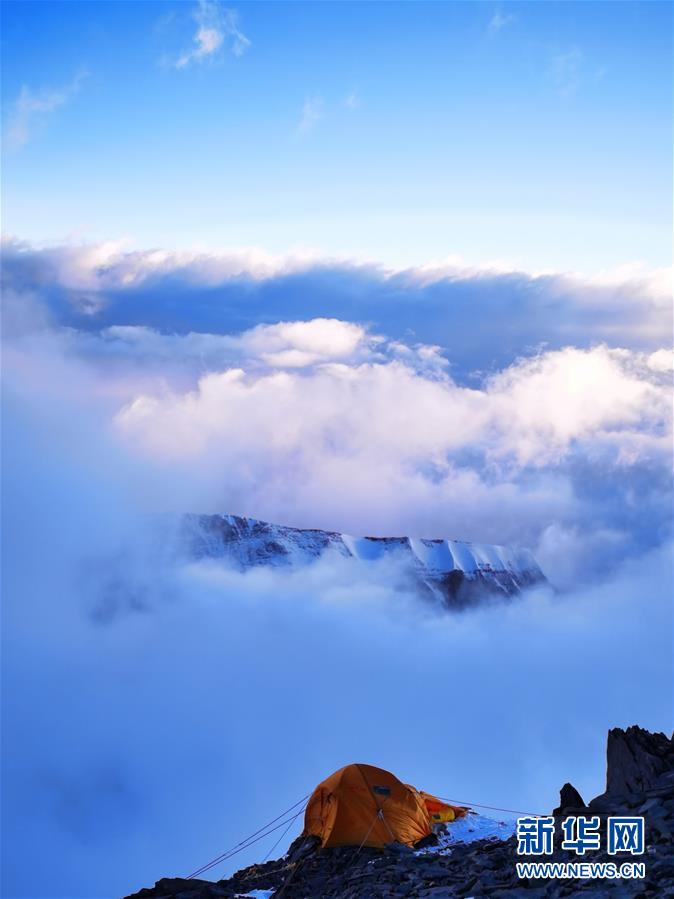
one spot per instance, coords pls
(639, 781)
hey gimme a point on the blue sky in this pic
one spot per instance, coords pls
(534, 133)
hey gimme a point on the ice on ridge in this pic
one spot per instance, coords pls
(248, 541)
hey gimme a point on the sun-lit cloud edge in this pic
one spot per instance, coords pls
(116, 264)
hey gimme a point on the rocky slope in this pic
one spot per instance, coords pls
(639, 781)
(452, 571)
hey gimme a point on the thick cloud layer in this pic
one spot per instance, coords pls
(483, 318)
(154, 715)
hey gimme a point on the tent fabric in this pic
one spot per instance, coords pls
(363, 805)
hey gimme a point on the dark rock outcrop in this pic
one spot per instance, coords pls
(637, 761)
(570, 801)
(639, 781)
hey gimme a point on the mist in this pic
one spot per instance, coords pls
(155, 713)
(206, 701)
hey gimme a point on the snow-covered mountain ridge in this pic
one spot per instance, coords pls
(454, 571)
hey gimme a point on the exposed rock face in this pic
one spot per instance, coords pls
(452, 571)
(570, 801)
(481, 868)
(637, 761)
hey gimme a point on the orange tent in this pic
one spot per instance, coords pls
(361, 805)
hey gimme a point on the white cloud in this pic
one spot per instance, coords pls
(484, 317)
(206, 663)
(500, 20)
(138, 654)
(298, 344)
(566, 72)
(657, 282)
(610, 402)
(111, 264)
(352, 100)
(291, 345)
(217, 27)
(325, 422)
(312, 112)
(598, 397)
(33, 108)
(661, 360)
(315, 422)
